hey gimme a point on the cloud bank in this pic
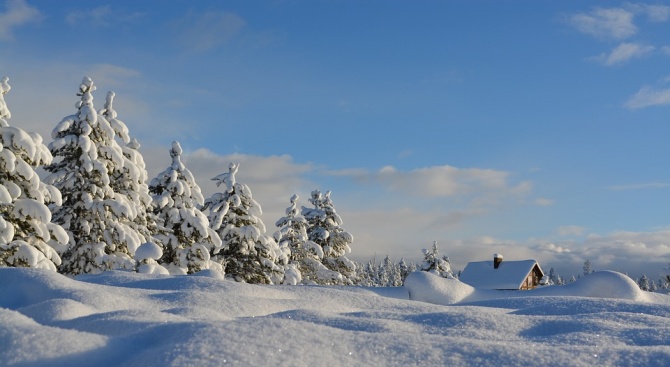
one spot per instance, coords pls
(17, 13)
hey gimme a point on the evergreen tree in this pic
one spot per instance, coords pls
(560, 280)
(324, 228)
(434, 264)
(404, 269)
(85, 153)
(305, 254)
(367, 274)
(652, 286)
(587, 267)
(391, 273)
(184, 230)
(27, 236)
(251, 256)
(130, 178)
(643, 282)
(553, 277)
(384, 272)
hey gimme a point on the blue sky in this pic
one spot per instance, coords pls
(533, 129)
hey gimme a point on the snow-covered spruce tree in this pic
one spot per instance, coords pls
(587, 269)
(184, 230)
(250, 255)
(27, 236)
(367, 275)
(643, 283)
(390, 273)
(305, 254)
(85, 153)
(434, 264)
(405, 269)
(130, 179)
(324, 228)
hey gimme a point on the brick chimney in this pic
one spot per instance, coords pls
(497, 259)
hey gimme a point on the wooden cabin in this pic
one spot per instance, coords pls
(502, 275)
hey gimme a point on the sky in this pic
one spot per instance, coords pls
(531, 129)
(128, 319)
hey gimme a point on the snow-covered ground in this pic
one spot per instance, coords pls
(129, 319)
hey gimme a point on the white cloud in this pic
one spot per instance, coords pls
(544, 202)
(17, 13)
(632, 252)
(624, 53)
(96, 16)
(642, 186)
(655, 13)
(209, 30)
(439, 181)
(99, 16)
(571, 230)
(550, 247)
(405, 153)
(647, 97)
(613, 23)
(109, 75)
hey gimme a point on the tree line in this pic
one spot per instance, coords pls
(96, 210)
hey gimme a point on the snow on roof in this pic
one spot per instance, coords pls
(509, 275)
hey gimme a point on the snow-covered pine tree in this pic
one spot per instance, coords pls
(85, 152)
(395, 279)
(250, 255)
(643, 282)
(652, 286)
(404, 269)
(184, 230)
(553, 277)
(384, 272)
(130, 179)
(27, 236)
(305, 254)
(434, 264)
(587, 267)
(324, 228)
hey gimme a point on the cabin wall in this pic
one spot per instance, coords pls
(532, 280)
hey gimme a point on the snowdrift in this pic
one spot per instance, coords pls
(128, 319)
(427, 287)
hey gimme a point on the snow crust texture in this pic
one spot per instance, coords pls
(129, 319)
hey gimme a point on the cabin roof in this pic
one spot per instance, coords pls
(509, 275)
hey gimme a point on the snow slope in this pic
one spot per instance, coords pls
(129, 319)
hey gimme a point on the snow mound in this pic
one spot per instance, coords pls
(428, 287)
(59, 309)
(604, 284)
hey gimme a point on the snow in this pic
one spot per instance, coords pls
(122, 318)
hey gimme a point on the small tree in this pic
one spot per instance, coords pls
(305, 254)
(643, 282)
(434, 264)
(27, 236)
(184, 230)
(130, 178)
(85, 153)
(587, 267)
(324, 228)
(250, 255)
